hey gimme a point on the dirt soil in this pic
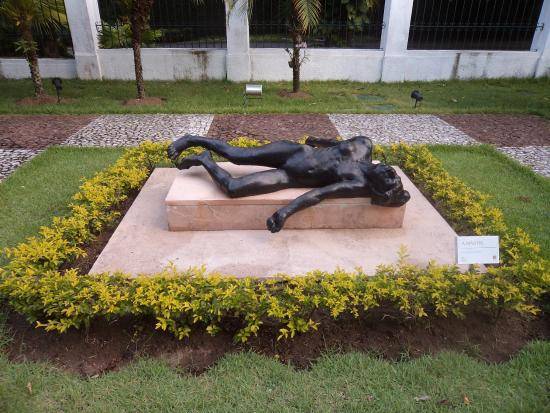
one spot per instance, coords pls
(272, 127)
(503, 130)
(110, 345)
(144, 102)
(38, 131)
(293, 95)
(42, 100)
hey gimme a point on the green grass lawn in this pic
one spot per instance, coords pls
(252, 383)
(523, 196)
(249, 382)
(475, 96)
(43, 187)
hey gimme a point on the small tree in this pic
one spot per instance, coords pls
(303, 18)
(131, 29)
(29, 15)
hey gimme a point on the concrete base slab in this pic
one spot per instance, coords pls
(143, 244)
(194, 203)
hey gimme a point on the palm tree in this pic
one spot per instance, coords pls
(139, 21)
(304, 17)
(132, 27)
(29, 15)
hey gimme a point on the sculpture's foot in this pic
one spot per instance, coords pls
(194, 160)
(177, 147)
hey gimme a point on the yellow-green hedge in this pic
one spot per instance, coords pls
(33, 285)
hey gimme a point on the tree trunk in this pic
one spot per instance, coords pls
(295, 61)
(32, 58)
(136, 45)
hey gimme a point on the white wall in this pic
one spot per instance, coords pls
(393, 63)
(19, 68)
(449, 64)
(321, 64)
(164, 64)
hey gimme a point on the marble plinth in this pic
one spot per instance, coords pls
(195, 203)
(143, 243)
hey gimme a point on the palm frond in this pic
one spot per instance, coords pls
(308, 13)
(41, 15)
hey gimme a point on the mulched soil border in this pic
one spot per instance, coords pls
(503, 130)
(108, 345)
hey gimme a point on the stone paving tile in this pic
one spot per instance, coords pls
(39, 131)
(130, 130)
(536, 157)
(387, 129)
(11, 159)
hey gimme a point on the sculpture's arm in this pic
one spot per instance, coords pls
(342, 189)
(320, 142)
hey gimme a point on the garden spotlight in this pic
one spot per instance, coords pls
(58, 84)
(417, 96)
(252, 91)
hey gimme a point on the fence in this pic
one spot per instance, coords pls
(174, 23)
(351, 42)
(53, 40)
(355, 24)
(473, 24)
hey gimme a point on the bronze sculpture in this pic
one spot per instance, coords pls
(335, 169)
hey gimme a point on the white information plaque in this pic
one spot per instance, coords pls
(477, 250)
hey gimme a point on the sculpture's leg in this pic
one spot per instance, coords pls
(253, 184)
(273, 155)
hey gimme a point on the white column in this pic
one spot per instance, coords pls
(541, 41)
(83, 16)
(238, 45)
(395, 36)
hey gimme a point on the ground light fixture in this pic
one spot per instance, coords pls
(58, 84)
(253, 91)
(417, 96)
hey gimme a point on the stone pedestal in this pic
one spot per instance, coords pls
(143, 244)
(195, 203)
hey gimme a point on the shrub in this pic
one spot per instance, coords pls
(33, 284)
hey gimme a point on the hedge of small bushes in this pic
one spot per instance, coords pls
(33, 283)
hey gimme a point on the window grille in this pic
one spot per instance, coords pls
(474, 24)
(344, 24)
(174, 23)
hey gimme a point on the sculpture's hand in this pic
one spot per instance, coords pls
(194, 160)
(178, 146)
(173, 153)
(275, 222)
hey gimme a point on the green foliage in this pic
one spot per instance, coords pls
(25, 46)
(41, 15)
(33, 284)
(119, 35)
(358, 13)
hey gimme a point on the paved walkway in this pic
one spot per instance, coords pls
(524, 138)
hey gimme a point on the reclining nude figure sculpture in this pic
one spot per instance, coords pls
(334, 169)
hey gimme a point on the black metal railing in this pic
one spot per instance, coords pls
(473, 24)
(53, 40)
(344, 24)
(174, 23)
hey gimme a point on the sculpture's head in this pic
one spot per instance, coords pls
(386, 186)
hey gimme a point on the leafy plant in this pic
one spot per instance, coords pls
(29, 15)
(33, 284)
(119, 35)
